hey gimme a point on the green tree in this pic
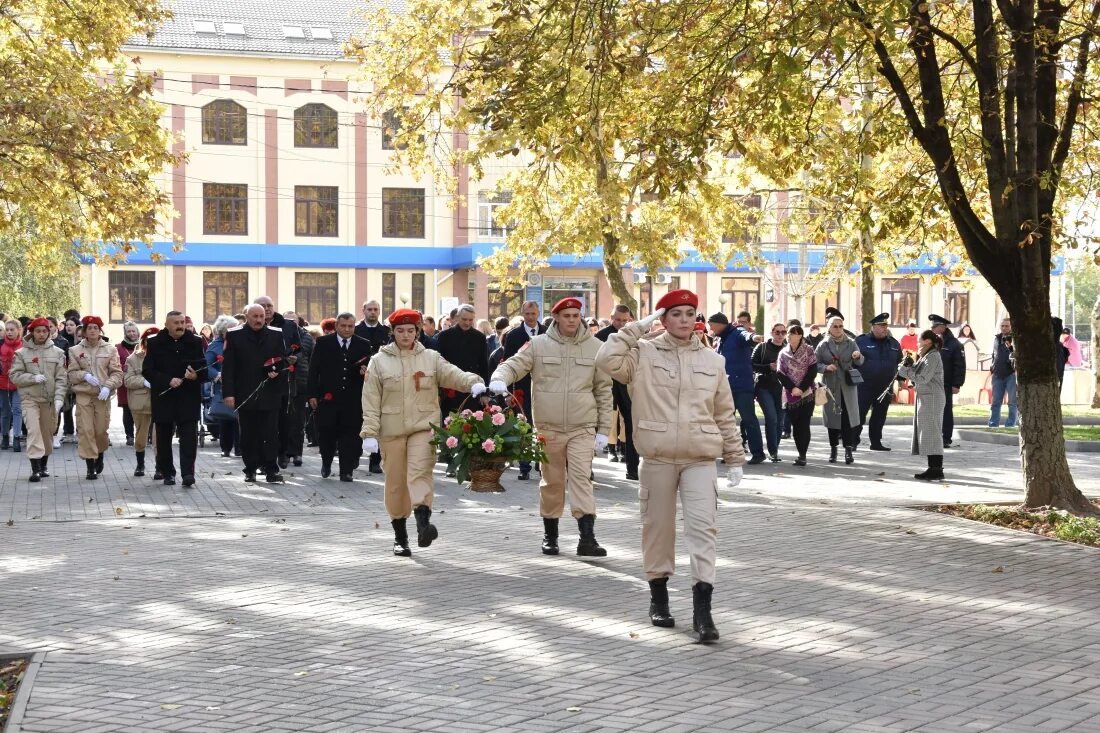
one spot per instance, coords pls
(37, 279)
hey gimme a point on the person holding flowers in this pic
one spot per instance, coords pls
(334, 389)
(94, 373)
(571, 405)
(400, 401)
(38, 370)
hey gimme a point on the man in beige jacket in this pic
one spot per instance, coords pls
(684, 419)
(571, 404)
(38, 369)
(94, 373)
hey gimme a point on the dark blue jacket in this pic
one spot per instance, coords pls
(880, 360)
(954, 362)
(736, 347)
(1004, 357)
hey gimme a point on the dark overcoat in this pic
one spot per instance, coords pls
(165, 359)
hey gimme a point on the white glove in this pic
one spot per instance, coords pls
(91, 379)
(734, 476)
(370, 445)
(477, 390)
(39, 378)
(498, 387)
(146, 383)
(648, 320)
(58, 405)
(104, 393)
(600, 443)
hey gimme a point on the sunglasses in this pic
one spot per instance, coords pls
(778, 332)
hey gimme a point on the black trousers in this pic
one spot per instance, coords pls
(128, 422)
(846, 432)
(630, 455)
(283, 440)
(259, 439)
(948, 415)
(800, 416)
(868, 402)
(296, 426)
(229, 436)
(338, 435)
(189, 445)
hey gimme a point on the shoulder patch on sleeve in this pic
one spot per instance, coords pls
(275, 329)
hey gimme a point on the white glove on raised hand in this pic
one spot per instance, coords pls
(58, 405)
(734, 476)
(91, 379)
(146, 383)
(498, 387)
(370, 445)
(648, 320)
(477, 390)
(39, 378)
(600, 443)
(104, 393)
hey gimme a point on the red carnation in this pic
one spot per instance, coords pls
(273, 361)
(219, 358)
(294, 347)
(327, 397)
(450, 393)
(542, 438)
(467, 428)
(290, 368)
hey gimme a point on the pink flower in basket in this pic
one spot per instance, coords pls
(447, 422)
(488, 446)
(499, 419)
(452, 442)
(467, 413)
(479, 415)
(494, 409)
(521, 417)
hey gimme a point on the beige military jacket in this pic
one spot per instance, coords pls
(401, 391)
(32, 360)
(680, 397)
(102, 361)
(567, 391)
(139, 398)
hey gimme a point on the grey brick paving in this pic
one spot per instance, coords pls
(231, 607)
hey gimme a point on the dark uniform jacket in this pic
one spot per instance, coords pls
(465, 349)
(243, 369)
(165, 359)
(880, 361)
(620, 395)
(334, 378)
(513, 342)
(301, 367)
(954, 362)
(378, 335)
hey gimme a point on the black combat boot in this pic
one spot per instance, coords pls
(832, 454)
(99, 464)
(139, 471)
(92, 475)
(15, 444)
(935, 470)
(400, 538)
(426, 532)
(4, 444)
(549, 536)
(659, 615)
(43, 462)
(34, 471)
(700, 619)
(848, 457)
(613, 454)
(587, 546)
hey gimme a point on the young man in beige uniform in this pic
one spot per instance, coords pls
(38, 369)
(571, 404)
(95, 372)
(684, 419)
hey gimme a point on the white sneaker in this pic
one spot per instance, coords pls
(56, 442)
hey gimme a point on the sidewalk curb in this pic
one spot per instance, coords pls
(23, 696)
(983, 436)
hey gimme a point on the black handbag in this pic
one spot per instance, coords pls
(853, 377)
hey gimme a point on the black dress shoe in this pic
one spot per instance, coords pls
(283, 461)
(775, 458)
(157, 475)
(785, 436)
(800, 461)
(249, 477)
(188, 480)
(346, 478)
(375, 468)
(274, 477)
(326, 469)
(169, 480)
(848, 457)
(832, 454)
(297, 460)
(756, 459)
(631, 475)
(878, 446)
(524, 476)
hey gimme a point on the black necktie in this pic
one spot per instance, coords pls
(344, 345)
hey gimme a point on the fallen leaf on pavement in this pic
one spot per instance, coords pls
(634, 634)
(573, 710)
(998, 569)
(169, 706)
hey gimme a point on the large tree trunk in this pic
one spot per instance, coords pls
(867, 285)
(1094, 354)
(613, 270)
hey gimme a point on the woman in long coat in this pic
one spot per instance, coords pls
(927, 376)
(836, 354)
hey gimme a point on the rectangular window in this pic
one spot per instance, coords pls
(749, 234)
(489, 223)
(501, 302)
(900, 298)
(316, 295)
(418, 291)
(391, 126)
(403, 213)
(224, 208)
(556, 288)
(743, 295)
(223, 293)
(316, 211)
(674, 283)
(819, 303)
(132, 293)
(389, 293)
(958, 305)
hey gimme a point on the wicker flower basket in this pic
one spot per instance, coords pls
(485, 475)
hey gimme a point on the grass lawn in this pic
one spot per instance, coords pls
(1047, 522)
(1071, 432)
(983, 411)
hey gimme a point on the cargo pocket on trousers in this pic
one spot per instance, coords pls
(643, 498)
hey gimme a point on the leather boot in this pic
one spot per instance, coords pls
(400, 538)
(549, 536)
(92, 474)
(848, 457)
(4, 444)
(659, 615)
(99, 464)
(426, 532)
(701, 621)
(139, 470)
(935, 470)
(613, 455)
(34, 471)
(15, 445)
(587, 546)
(43, 462)
(832, 454)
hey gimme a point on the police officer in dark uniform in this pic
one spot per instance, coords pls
(954, 373)
(881, 356)
(515, 340)
(378, 334)
(254, 383)
(335, 391)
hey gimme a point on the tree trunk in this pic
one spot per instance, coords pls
(866, 284)
(613, 270)
(1094, 354)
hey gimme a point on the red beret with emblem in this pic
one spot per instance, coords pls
(677, 298)
(38, 322)
(89, 320)
(404, 317)
(151, 331)
(567, 303)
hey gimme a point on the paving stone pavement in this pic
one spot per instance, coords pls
(230, 607)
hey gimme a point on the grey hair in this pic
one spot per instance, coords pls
(530, 302)
(128, 324)
(222, 324)
(829, 323)
(466, 308)
(345, 315)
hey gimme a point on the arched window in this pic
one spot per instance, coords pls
(224, 122)
(315, 126)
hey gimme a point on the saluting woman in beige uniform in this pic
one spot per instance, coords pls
(400, 401)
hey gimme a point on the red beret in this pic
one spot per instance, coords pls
(700, 327)
(151, 331)
(676, 298)
(404, 317)
(187, 320)
(38, 322)
(328, 325)
(88, 320)
(567, 303)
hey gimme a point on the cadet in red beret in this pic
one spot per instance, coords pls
(328, 325)
(38, 371)
(94, 374)
(139, 394)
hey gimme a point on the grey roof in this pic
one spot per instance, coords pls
(263, 24)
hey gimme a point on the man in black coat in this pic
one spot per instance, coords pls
(515, 340)
(292, 343)
(254, 383)
(335, 391)
(465, 347)
(954, 373)
(175, 368)
(371, 327)
(621, 316)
